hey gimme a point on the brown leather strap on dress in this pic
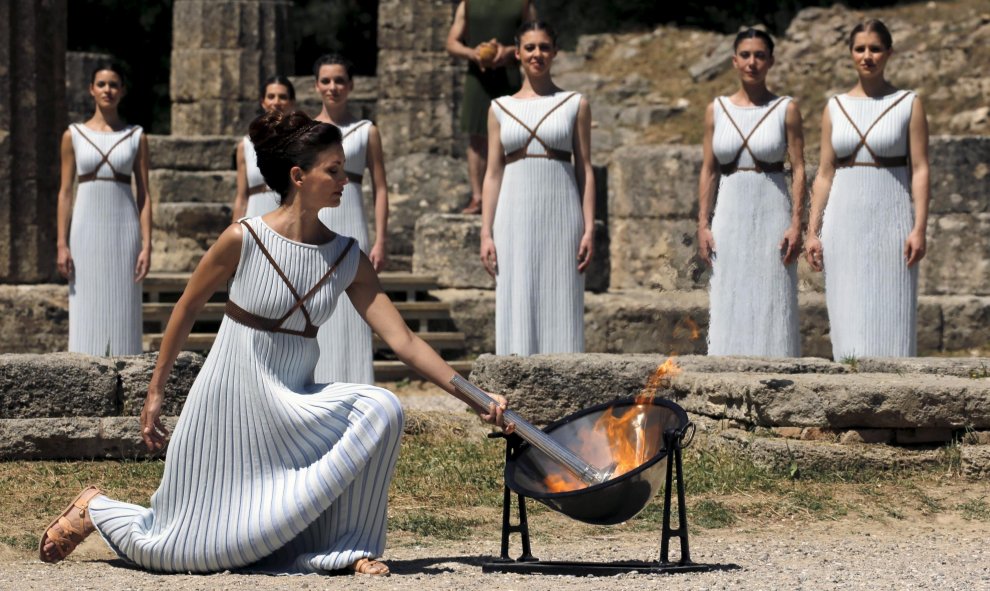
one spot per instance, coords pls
(355, 177)
(551, 153)
(878, 161)
(105, 159)
(262, 188)
(242, 316)
(759, 165)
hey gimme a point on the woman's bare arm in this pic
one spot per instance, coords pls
(585, 176)
(489, 192)
(64, 210)
(916, 246)
(707, 183)
(144, 205)
(790, 245)
(379, 188)
(819, 195)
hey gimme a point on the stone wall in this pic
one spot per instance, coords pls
(32, 119)
(222, 51)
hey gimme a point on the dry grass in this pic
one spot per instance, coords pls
(447, 489)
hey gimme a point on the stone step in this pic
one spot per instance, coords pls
(401, 286)
(214, 311)
(203, 341)
(196, 186)
(208, 152)
(392, 371)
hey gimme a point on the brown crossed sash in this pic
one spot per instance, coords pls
(353, 176)
(551, 153)
(105, 159)
(878, 161)
(759, 165)
(242, 316)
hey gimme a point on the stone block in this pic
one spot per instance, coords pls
(416, 126)
(35, 318)
(960, 174)
(413, 25)
(957, 262)
(57, 385)
(213, 117)
(965, 322)
(867, 436)
(193, 153)
(923, 435)
(646, 322)
(231, 74)
(235, 24)
(814, 326)
(659, 181)
(76, 438)
(184, 232)
(788, 432)
(419, 184)
(428, 74)
(655, 253)
(135, 375)
(473, 313)
(818, 434)
(169, 186)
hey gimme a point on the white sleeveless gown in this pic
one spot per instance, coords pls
(105, 240)
(539, 293)
(871, 293)
(345, 340)
(259, 203)
(266, 469)
(753, 294)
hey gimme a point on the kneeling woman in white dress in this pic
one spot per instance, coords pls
(874, 164)
(752, 244)
(267, 470)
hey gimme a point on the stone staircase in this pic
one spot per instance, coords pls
(430, 319)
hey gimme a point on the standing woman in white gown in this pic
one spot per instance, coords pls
(753, 241)
(267, 470)
(538, 206)
(253, 196)
(870, 203)
(104, 238)
(345, 340)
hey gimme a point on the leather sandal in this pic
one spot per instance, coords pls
(371, 567)
(68, 536)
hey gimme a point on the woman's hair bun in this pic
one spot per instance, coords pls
(285, 140)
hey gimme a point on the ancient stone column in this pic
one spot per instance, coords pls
(222, 50)
(417, 79)
(32, 119)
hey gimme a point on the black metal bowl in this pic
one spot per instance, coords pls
(615, 500)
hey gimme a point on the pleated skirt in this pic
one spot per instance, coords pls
(872, 294)
(104, 300)
(346, 353)
(753, 294)
(539, 293)
(265, 471)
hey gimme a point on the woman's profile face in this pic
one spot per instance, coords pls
(276, 98)
(107, 88)
(324, 182)
(536, 52)
(752, 60)
(333, 84)
(869, 54)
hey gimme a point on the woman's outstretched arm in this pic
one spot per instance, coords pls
(217, 266)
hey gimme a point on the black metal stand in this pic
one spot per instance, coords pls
(528, 564)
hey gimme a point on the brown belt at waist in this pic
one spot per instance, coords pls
(879, 162)
(242, 316)
(552, 154)
(355, 177)
(258, 189)
(767, 167)
(117, 177)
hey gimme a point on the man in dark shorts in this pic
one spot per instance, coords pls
(492, 71)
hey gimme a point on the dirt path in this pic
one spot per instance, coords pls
(854, 553)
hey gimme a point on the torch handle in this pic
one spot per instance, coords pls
(534, 436)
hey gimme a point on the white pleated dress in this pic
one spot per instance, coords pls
(872, 294)
(105, 241)
(753, 294)
(345, 340)
(267, 470)
(261, 199)
(539, 293)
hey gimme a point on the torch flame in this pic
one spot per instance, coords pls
(623, 432)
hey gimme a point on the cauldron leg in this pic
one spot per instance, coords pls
(511, 446)
(673, 443)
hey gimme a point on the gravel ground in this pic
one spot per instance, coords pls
(945, 554)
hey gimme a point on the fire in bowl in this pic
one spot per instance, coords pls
(628, 439)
